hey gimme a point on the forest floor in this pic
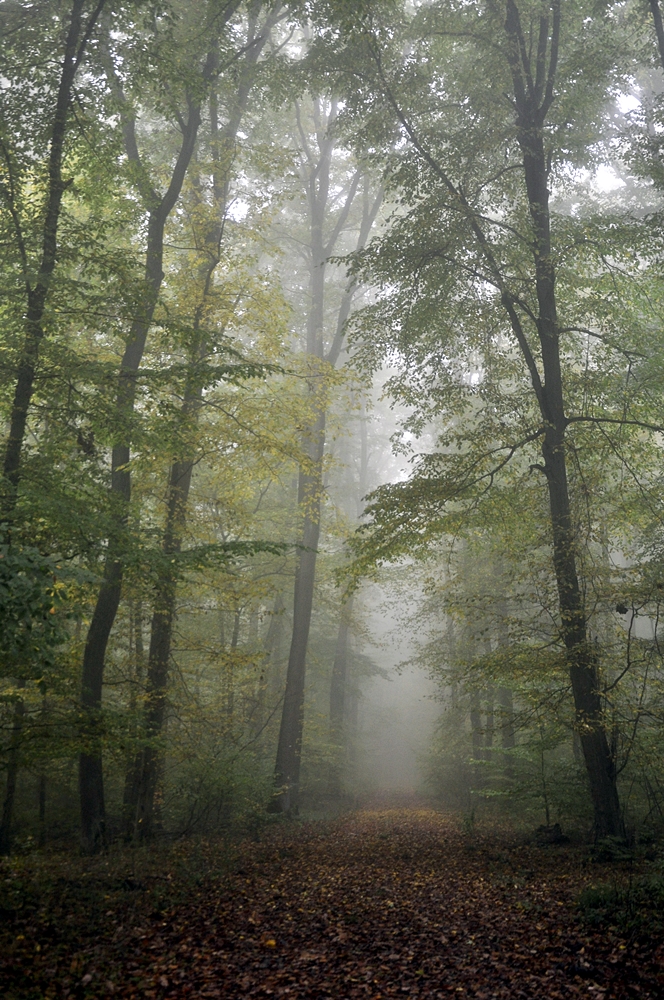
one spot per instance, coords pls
(376, 904)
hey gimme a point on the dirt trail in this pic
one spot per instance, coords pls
(375, 905)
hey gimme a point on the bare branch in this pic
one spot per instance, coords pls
(658, 428)
(343, 214)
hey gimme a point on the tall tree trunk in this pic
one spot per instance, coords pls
(532, 103)
(90, 774)
(222, 143)
(147, 766)
(91, 786)
(310, 480)
(289, 748)
(78, 36)
(137, 651)
(12, 773)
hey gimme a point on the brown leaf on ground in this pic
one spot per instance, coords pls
(391, 903)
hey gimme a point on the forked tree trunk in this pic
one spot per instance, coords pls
(310, 480)
(90, 774)
(91, 780)
(146, 769)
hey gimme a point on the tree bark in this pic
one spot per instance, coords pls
(289, 748)
(659, 28)
(338, 684)
(91, 788)
(12, 774)
(490, 720)
(506, 702)
(310, 479)
(476, 737)
(532, 104)
(146, 767)
(147, 764)
(78, 36)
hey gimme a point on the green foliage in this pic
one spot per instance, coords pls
(32, 600)
(632, 906)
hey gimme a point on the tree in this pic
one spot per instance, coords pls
(210, 221)
(38, 147)
(480, 257)
(178, 51)
(326, 224)
(36, 264)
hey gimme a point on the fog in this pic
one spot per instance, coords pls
(398, 710)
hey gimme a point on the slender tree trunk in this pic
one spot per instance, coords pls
(659, 27)
(91, 785)
(146, 767)
(476, 736)
(90, 770)
(507, 733)
(338, 695)
(532, 104)
(310, 487)
(148, 763)
(268, 680)
(12, 773)
(289, 748)
(310, 481)
(78, 36)
(41, 805)
(90, 774)
(137, 680)
(489, 728)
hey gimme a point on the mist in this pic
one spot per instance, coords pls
(399, 709)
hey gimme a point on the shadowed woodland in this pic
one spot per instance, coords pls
(331, 522)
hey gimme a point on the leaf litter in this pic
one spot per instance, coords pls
(376, 904)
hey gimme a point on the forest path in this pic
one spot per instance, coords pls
(376, 904)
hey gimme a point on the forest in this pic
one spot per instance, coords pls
(331, 505)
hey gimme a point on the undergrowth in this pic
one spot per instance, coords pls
(635, 906)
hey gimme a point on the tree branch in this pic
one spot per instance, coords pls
(553, 59)
(343, 214)
(658, 428)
